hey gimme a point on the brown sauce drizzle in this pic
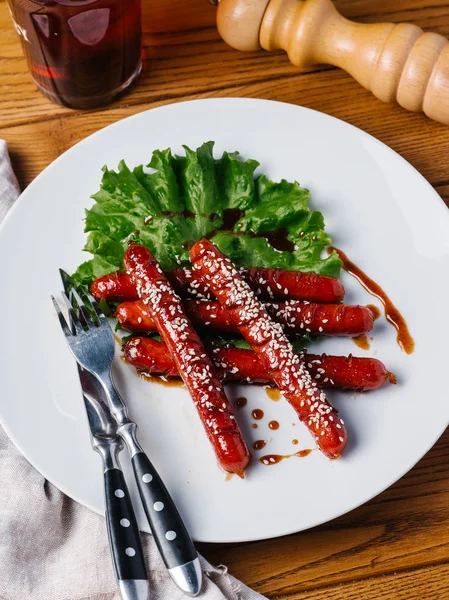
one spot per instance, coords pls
(392, 378)
(273, 393)
(294, 442)
(361, 341)
(393, 316)
(254, 425)
(259, 444)
(273, 459)
(161, 380)
(240, 474)
(241, 402)
(374, 311)
(273, 425)
(303, 453)
(188, 245)
(188, 214)
(277, 239)
(257, 414)
(230, 217)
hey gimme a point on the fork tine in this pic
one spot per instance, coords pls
(66, 280)
(96, 308)
(87, 317)
(74, 320)
(62, 321)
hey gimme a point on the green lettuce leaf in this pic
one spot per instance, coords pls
(122, 190)
(164, 236)
(236, 181)
(278, 205)
(309, 239)
(179, 199)
(247, 251)
(198, 181)
(91, 269)
(162, 184)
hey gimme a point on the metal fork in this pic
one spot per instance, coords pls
(92, 345)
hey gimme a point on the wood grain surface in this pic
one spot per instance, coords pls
(395, 547)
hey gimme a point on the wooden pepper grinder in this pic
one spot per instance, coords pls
(396, 62)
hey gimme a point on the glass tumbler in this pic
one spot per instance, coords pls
(81, 53)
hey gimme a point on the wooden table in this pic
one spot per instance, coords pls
(396, 546)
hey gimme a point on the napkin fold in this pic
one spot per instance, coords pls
(51, 547)
(9, 188)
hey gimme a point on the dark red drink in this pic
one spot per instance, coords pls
(81, 53)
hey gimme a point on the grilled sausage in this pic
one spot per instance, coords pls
(269, 284)
(243, 366)
(269, 342)
(190, 357)
(277, 284)
(294, 316)
(115, 287)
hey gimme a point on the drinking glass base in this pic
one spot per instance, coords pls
(85, 102)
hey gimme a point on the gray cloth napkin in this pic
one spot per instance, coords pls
(52, 548)
(9, 188)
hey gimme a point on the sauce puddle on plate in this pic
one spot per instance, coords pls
(161, 380)
(362, 342)
(274, 459)
(259, 444)
(273, 393)
(392, 378)
(241, 402)
(257, 414)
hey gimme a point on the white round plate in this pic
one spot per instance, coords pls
(378, 209)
